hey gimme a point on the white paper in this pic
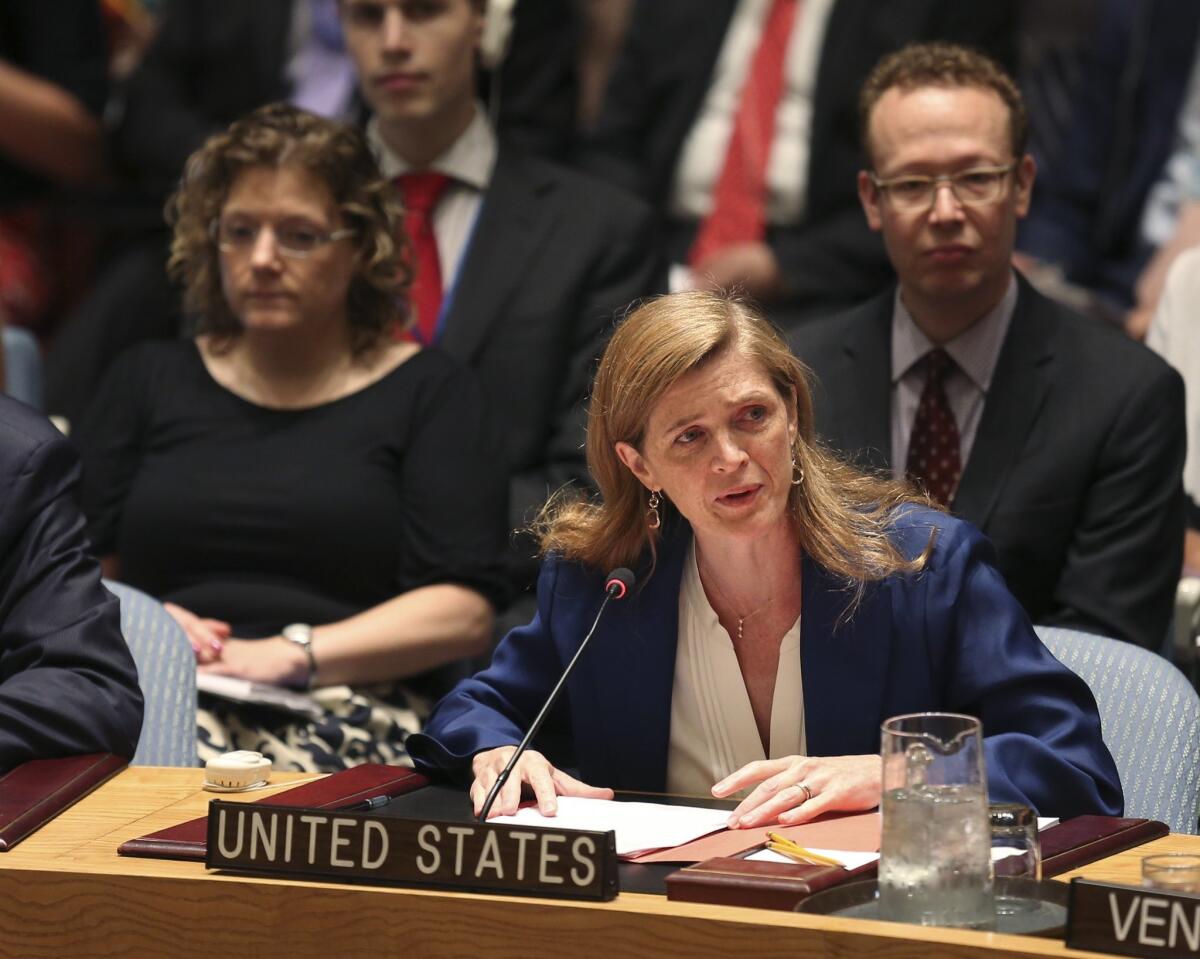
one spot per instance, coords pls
(680, 278)
(640, 826)
(244, 691)
(850, 860)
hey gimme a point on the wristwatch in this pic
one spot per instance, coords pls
(301, 635)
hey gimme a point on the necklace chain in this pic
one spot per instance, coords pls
(741, 620)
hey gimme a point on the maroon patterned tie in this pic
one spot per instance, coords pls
(934, 455)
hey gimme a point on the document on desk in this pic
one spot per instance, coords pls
(852, 860)
(259, 694)
(640, 826)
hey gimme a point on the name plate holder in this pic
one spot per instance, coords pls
(343, 846)
(1133, 920)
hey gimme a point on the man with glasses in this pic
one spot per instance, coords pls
(1060, 439)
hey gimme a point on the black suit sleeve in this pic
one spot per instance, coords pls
(538, 87)
(162, 121)
(211, 62)
(616, 149)
(830, 262)
(626, 268)
(1126, 553)
(67, 682)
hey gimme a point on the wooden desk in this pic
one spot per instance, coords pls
(65, 892)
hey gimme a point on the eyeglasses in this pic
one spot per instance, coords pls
(294, 239)
(977, 186)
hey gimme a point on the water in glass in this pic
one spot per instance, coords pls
(935, 866)
(930, 870)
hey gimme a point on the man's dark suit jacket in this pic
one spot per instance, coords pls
(1075, 469)
(62, 43)
(554, 258)
(1087, 208)
(67, 682)
(658, 87)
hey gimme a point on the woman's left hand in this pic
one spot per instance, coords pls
(274, 661)
(795, 789)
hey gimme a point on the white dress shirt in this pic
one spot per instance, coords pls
(713, 732)
(974, 352)
(705, 147)
(469, 162)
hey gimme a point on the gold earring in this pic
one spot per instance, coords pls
(797, 473)
(653, 520)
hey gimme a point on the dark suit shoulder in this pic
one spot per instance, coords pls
(23, 429)
(37, 464)
(1097, 352)
(588, 196)
(820, 337)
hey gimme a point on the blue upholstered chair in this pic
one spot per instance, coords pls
(1150, 718)
(167, 674)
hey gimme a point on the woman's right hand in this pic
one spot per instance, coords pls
(533, 768)
(207, 636)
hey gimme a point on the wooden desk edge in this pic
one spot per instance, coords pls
(49, 871)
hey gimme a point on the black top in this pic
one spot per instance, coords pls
(264, 517)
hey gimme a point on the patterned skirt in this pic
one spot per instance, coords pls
(358, 725)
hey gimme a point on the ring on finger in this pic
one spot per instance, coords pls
(807, 790)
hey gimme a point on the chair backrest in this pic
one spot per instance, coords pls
(1150, 720)
(167, 674)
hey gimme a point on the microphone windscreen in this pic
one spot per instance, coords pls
(619, 582)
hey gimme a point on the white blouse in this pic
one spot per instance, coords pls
(713, 732)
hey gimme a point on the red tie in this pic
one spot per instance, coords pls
(934, 457)
(739, 203)
(421, 192)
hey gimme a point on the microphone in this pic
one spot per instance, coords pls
(616, 586)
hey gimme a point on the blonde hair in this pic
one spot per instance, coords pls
(842, 515)
(279, 135)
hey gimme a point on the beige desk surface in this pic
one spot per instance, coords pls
(65, 892)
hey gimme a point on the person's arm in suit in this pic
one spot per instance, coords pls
(1125, 557)
(1042, 736)
(51, 98)
(538, 86)
(210, 62)
(635, 99)
(831, 262)
(68, 684)
(623, 267)
(161, 123)
(496, 706)
(1068, 196)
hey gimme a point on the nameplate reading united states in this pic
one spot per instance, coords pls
(1132, 920)
(357, 846)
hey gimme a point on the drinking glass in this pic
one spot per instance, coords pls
(935, 866)
(1172, 872)
(1016, 849)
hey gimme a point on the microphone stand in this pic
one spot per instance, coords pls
(614, 590)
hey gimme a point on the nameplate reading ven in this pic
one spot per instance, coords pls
(356, 846)
(1132, 920)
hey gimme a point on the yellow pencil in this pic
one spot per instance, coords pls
(782, 844)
